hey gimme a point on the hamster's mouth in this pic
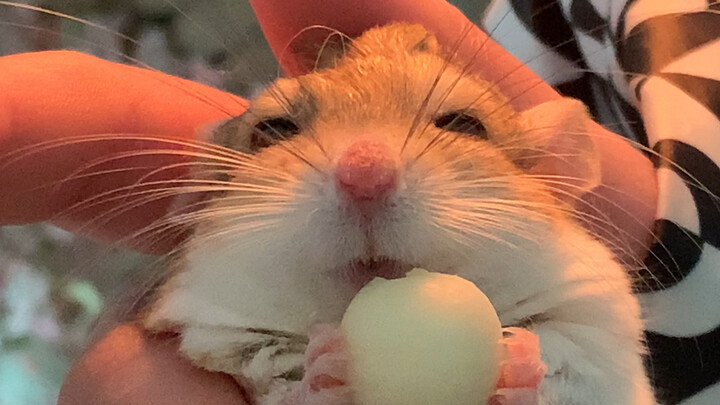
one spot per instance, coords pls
(359, 272)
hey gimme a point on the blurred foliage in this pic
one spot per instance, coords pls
(54, 285)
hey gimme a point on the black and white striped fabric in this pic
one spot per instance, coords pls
(649, 70)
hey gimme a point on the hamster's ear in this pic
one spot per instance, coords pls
(389, 39)
(321, 48)
(563, 147)
(331, 50)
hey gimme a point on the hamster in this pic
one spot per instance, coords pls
(392, 156)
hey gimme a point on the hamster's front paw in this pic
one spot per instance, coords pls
(521, 371)
(326, 371)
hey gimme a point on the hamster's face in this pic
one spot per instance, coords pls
(392, 159)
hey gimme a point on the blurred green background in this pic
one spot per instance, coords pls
(53, 285)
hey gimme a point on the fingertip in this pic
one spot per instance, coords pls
(129, 367)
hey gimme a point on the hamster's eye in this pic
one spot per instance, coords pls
(458, 121)
(272, 130)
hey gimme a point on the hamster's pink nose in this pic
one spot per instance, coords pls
(366, 171)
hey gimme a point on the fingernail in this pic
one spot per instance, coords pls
(497, 400)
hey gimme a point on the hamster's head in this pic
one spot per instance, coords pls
(393, 156)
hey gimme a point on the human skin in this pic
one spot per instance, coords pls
(128, 366)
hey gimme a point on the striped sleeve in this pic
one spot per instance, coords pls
(649, 70)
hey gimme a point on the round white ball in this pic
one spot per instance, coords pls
(426, 339)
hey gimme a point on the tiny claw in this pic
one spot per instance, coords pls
(324, 339)
(328, 371)
(325, 382)
(521, 370)
(326, 364)
(522, 366)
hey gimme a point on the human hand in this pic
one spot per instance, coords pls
(101, 98)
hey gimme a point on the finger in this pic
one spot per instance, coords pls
(128, 367)
(627, 197)
(282, 21)
(59, 95)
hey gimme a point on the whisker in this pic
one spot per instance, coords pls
(181, 187)
(24, 152)
(694, 180)
(550, 182)
(424, 104)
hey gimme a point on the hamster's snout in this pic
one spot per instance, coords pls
(366, 173)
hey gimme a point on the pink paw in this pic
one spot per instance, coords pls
(522, 370)
(326, 365)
